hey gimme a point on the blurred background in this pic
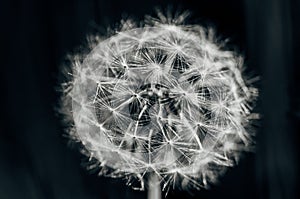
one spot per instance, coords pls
(35, 159)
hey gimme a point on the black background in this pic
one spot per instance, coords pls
(35, 160)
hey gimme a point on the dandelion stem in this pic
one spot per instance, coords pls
(154, 190)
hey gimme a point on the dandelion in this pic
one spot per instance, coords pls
(161, 101)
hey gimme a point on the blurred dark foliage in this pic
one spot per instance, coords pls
(35, 160)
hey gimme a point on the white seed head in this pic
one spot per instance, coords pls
(161, 98)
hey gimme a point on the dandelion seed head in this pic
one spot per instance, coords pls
(163, 98)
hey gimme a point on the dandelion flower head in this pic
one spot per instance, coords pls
(163, 98)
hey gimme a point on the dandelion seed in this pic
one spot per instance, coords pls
(161, 99)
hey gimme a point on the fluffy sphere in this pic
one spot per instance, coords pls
(162, 98)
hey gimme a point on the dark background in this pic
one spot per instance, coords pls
(35, 160)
